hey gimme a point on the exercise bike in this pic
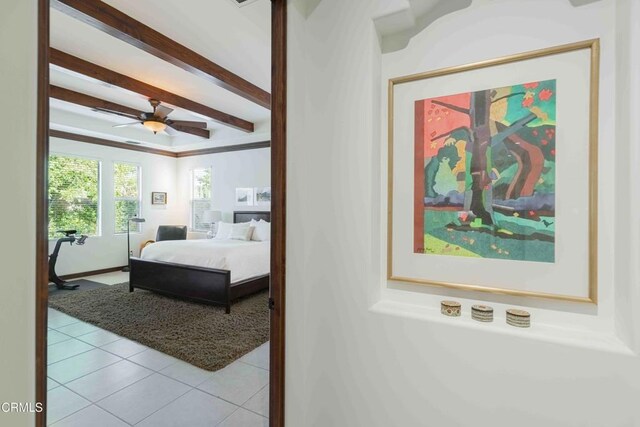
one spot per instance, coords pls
(69, 236)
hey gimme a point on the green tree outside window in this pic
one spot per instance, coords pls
(126, 179)
(74, 195)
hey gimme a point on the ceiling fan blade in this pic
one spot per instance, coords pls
(203, 133)
(170, 131)
(188, 123)
(126, 124)
(117, 113)
(162, 111)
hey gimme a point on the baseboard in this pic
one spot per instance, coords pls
(91, 273)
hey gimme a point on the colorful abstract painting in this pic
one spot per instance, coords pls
(485, 173)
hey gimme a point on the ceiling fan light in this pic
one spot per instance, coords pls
(154, 126)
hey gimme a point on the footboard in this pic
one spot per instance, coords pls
(206, 285)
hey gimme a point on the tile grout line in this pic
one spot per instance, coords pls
(67, 358)
(167, 404)
(251, 410)
(75, 412)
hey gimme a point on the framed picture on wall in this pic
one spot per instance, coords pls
(244, 196)
(263, 196)
(158, 198)
(492, 175)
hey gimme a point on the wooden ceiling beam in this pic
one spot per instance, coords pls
(176, 154)
(75, 64)
(89, 101)
(110, 20)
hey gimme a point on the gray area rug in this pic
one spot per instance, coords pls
(199, 334)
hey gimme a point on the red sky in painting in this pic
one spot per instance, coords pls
(439, 120)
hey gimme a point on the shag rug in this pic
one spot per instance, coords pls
(200, 334)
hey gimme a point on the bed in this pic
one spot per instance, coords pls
(228, 271)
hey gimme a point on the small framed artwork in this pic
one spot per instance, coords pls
(492, 175)
(263, 196)
(244, 196)
(158, 198)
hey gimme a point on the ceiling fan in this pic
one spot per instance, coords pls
(156, 121)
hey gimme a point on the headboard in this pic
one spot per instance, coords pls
(246, 216)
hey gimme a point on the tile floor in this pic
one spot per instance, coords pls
(97, 378)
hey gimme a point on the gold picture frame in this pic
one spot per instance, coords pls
(593, 46)
(158, 198)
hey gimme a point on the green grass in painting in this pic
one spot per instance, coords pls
(433, 245)
(479, 243)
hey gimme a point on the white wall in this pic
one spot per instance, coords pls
(362, 353)
(230, 170)
(18, 64)
(158, 173)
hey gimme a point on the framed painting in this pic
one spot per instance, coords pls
(492, 175)
(158, 198)
(263, 196)
(244, 196)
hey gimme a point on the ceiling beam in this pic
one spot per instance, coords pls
(108, 143)
(110, 20)
(224, 149)
(97, 72)
(89, 101)
(190, 153)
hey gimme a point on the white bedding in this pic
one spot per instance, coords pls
(245, 259)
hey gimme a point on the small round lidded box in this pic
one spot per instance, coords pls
(450, 308)
(518, 318)
(482, 313)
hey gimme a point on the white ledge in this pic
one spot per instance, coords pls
(594, 340)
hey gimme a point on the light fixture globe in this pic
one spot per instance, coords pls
(154, 126)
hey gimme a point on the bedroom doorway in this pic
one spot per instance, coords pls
(81, 397)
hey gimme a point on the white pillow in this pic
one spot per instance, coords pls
(262, 232)
(241, 231)
(224, 230)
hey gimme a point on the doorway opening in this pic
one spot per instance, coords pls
(113, 190)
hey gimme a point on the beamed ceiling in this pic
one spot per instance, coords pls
(224, 83)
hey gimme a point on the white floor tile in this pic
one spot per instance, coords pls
(259, 403)
(106, 381)
(143, 398)
(77, 329)
(124, 347)
(66, 349)
(194, 409)
(62, 402)
(112, 278)
(153, 359)
(51, 384)
(244, 418)
(236, 383)
(91, 416)
(99, 337)
(58, 319)
(80, 365)
(54, 337)
(258, 357)
(186, 373)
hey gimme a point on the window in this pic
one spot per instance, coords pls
(126, 182)
(74, 195)
(200, 198)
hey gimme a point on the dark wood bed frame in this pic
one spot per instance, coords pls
(205, 285)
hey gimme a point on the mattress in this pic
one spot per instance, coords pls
(245, 259)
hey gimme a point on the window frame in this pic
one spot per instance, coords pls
(117, 199)
(99, 206)
(192, 199)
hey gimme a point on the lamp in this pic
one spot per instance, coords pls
(154, 125)
(211, 218)
(129, 221)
